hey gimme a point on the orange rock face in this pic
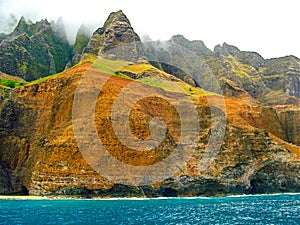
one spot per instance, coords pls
(39, 153)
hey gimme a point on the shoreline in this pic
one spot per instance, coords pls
(32, 197)
(22, 197)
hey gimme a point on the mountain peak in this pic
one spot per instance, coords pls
(82, 39)
(178, 37)
(59, 28)
(231, 49)
(197, 46)
(226, 49)
(21, 27)
(22, 20)
(116, 17)
(83, 30)
(116, 31)
(26, 26)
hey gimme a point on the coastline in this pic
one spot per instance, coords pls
(32, 197)
(22, 197)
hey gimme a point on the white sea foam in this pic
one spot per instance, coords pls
(259, 195)
(9, 197)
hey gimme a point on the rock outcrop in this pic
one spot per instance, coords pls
(116, 31)
(283, 74)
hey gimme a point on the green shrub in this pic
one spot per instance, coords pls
(11, 83)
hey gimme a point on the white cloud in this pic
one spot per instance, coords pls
(268, 27)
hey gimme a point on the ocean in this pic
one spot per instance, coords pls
(258, 209)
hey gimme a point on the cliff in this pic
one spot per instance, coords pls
(267, 81)
(40, 156)
(34, 50)
(53, 130)
(116, 31)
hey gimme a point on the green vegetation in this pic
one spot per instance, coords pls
(161, 83)
(171, 86)
(23, 67)
(43, 79)
(11, 83)
(212, 62)
(231, 83)
(80, 43)
(195, 91)
(113, 67)
(241, 69)
(108, 66)
(100, 64)
(138, 68)
(122, 75)
(37, 50)
(116, 67)
(6, 92)
(87, 57)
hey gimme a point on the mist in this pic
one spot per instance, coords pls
(267, 27)
(11, 13)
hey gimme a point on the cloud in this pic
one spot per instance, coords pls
(268, 27)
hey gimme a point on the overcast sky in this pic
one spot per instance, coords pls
(270, 27)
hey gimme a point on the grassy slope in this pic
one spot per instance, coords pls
(163, 80)
(8, 81)
(158, 78)
(107, 66)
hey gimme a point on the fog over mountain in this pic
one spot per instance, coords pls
(265, 27)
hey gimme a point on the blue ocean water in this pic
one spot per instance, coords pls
(264, 209)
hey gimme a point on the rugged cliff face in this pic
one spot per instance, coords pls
(40, 153)
(33, 51)
(271, 81)
(116, 31)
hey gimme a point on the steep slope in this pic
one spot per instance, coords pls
(240, 73)
(116, 31)
(280, 74)
(34, 50)
(39, 154)
(82, 40)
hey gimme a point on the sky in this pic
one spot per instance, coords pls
(270, 27)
